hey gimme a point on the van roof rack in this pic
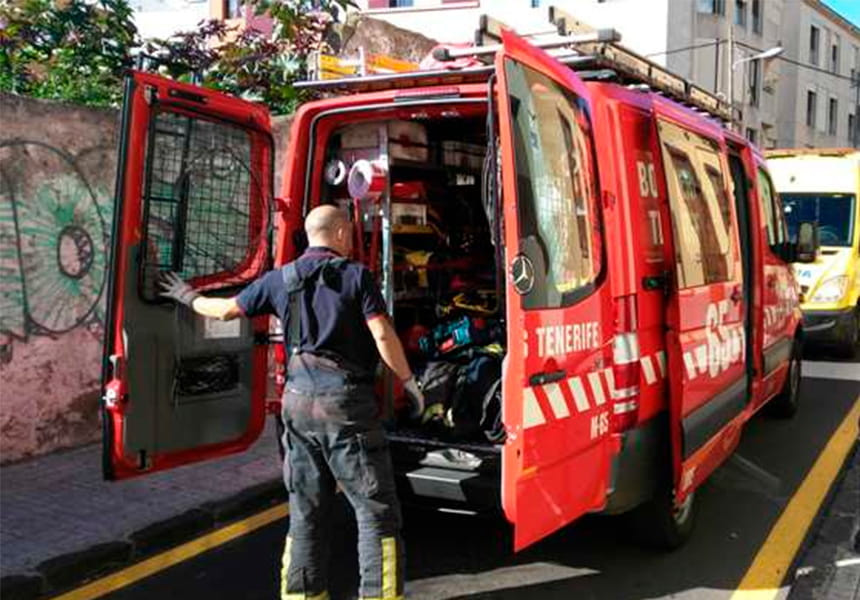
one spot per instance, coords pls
(593, 53)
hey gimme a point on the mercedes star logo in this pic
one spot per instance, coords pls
(523, 274)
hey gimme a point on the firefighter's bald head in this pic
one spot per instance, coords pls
(328, 226)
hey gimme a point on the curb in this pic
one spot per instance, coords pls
(67, 571)
(836, 532)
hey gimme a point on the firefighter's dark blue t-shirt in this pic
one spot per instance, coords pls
(333, 322)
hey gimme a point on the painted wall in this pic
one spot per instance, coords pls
(57, 165)
(57, 170)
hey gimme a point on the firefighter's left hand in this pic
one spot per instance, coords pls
(416, 398)
(173, 287)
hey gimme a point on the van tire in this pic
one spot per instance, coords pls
(784, 405)
(849, 346)
(661, 525)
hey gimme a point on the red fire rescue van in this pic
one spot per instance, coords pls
(590, 271)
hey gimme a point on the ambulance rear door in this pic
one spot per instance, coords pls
(705, 337)
(557, 380)
(193, 196)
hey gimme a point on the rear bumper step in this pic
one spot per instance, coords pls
(473, 490)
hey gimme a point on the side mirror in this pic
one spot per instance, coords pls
(806, 248)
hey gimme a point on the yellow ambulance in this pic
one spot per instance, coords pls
(823, 185)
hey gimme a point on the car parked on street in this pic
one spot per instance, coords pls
(823, 185)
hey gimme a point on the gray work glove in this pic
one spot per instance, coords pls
(416, 398)
(173, 287)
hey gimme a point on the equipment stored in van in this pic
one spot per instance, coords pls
(625, 252)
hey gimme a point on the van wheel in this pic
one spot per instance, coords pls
(785, 404)
(663, 525)
(849, 346)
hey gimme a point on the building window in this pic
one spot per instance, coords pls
(834, 56)
(752, 135)
(810, 108)
(756, 16)
(850, 128)
(831, 116)
(755, 75)
(814, 34)
(741, 13)
(856, 68)
(383, 4)
(232, 9)
(711, 7)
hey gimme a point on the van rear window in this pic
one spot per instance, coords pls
(556, 191)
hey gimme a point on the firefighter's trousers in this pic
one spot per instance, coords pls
(332, 437)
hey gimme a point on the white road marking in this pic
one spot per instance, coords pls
(847, 562)
(831, 370)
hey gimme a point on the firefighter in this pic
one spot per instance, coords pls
(335, 329)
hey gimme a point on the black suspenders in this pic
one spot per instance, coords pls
(326, 273)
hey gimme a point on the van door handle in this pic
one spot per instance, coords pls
(547, 377)
(737, 295)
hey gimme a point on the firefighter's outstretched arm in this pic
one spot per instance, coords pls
(391, 351)
(225, 309)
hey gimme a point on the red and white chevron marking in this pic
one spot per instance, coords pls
(559, 400)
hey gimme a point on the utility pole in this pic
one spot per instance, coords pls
(717, 66)
(730, 8)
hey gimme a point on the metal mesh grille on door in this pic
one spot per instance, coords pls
(205, 210)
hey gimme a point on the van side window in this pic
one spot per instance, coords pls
(556, 193)
(698, 198)
(772, 212)
(203, 207)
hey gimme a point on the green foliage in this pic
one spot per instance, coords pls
(72, 50)
(76, 50)
(249, 63)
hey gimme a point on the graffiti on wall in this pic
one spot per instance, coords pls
(54, 230)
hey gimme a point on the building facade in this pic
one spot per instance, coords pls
(823, 109)
(711, 42)
(163, 18)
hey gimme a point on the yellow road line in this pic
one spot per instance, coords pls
(770, 566)
(171, 557)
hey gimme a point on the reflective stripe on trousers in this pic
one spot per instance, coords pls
(285, 568)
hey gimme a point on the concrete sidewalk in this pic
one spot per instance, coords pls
(830, 567)
(61, 524)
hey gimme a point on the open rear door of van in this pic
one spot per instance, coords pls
(193, 196)
(557, 385)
